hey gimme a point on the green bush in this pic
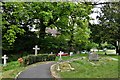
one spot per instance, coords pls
(51, 57)
(38, 58)
(15, 56)
(44, 57)
(30, 59)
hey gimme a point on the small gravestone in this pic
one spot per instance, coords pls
(78, 52)
(36, 48)
(60, 54)
(5, 60)
(71, 53)
(93, 57)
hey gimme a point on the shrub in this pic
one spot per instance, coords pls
(15, 56)
(51, 57)
(44, 57)
(38, 58)
(30, 59)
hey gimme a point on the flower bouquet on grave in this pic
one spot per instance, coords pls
(20, 60)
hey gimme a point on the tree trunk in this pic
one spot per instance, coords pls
(42, 32)
(117, 50)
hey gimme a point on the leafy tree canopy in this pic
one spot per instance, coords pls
(71, 19)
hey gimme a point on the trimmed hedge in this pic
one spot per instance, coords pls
(30, 59)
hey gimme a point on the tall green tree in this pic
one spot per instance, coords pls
(110, 21)
(57, 15)
(70, 19)
(11, 23)
(109, 25)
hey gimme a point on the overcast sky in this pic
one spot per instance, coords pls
(95, 14)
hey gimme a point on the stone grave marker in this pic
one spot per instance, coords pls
(78, 52)
(51, 53)
(71, 53)
(60, 54)
(36, 48)
(93, 57)
(5, 60)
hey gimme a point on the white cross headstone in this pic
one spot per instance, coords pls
(5, 59)
(36, 48)
(51, 53)
(60, 55)
(117, 43)
(71, 53)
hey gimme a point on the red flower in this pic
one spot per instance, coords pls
(20, 60)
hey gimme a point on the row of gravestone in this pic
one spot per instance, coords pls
(36, 48)
(92, 56)
(5, 57)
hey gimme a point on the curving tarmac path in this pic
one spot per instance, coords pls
(39, 72)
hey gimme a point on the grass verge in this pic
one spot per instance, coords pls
(11, 70)
(104, 68)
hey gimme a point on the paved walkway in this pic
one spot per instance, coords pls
(39, 72)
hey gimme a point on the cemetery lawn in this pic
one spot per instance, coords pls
(11, 70)
(104, 68)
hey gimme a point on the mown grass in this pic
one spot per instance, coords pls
(11, 69)
(64, 58)
(104, 68)
(119, 67)
(83, 69)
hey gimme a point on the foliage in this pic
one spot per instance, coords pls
(110, 24)
(27, 41)
(108, 46)
(53, 44)
(69, 18)
(10, 20)
(11, 65)
(57, 15)
(75, 25)
(13, 56)
(95, 35)
(91, 45)
(30, 59)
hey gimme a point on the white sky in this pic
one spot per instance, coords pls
(95, 14)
